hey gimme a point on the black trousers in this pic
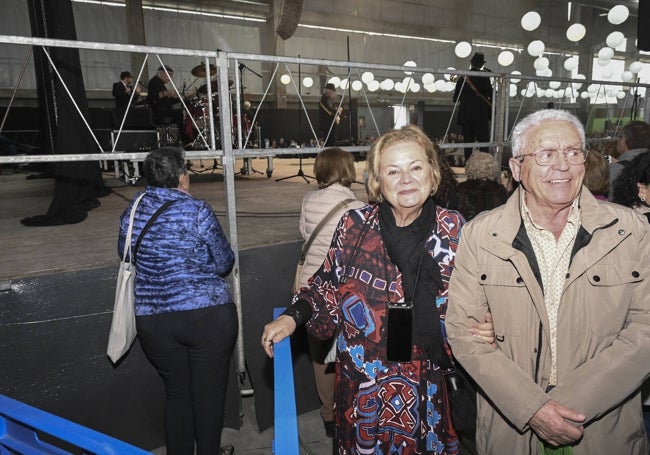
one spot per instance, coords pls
(191, 351)
(475, 131)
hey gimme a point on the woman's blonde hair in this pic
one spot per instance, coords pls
(406, 134)
(334, 165)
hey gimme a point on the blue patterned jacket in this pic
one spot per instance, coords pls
(183, 258)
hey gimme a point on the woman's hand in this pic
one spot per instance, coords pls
(277, 331)
(484, 332)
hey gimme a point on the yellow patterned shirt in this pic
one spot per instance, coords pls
(553, 258)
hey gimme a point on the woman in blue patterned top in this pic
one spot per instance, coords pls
(185, 315)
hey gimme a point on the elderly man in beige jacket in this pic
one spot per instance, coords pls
(567, 279)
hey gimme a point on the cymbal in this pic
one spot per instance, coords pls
(199, 70)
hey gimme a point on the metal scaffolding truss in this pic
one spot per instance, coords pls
(231, 147)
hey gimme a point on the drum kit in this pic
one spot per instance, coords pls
(198, 121)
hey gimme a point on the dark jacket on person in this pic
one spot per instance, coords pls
(472, 107)
(122, 97)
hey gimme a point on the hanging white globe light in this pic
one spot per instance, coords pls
(554, 85)
(335, 80)
(373, 86)
(506, 58)
(606, 53)
(387, 84)
(620, 95)
(513, 89)
(367, 77)
(530, 21)
(627, 76)
(307, 82)
(513, 80)
(546, 72)
(540, 63)
(427, 79)
(285, 79)
(576, 32)
(412, 64)
(430, 87)
(571, 63)
(602, 62)
(440, 85)
(450, 86)
(535, 48)
(615, 39)
(618, 14)
(463, 49)
(569, 93)
(584, 95)
(344, 84)
(593, 88)
(558, 94)
(415, 87)
(549, 93)
(636, 67)
(357, 85)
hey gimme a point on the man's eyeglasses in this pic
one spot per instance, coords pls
(546, 157)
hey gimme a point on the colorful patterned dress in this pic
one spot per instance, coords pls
(380, 407)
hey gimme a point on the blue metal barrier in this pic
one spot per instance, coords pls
(21, 428)
(285, 440)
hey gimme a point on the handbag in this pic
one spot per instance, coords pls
(461, 392)
(123, 331)
(310, 240)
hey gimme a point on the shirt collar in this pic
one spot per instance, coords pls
(574, 214)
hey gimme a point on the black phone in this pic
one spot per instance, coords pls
(399, 331)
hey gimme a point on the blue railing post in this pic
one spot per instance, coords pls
(286, 422)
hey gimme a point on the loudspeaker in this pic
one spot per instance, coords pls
(135, 140)
(289, 17)
(643, 31)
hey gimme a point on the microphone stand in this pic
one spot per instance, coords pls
(247, 167)
(300, 172)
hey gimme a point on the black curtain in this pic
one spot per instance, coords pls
(77, 185)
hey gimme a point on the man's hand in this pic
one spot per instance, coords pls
(556, 424)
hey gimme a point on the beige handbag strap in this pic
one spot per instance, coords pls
(129, 232)
(320, 225)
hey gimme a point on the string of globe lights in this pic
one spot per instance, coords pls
(530, 21)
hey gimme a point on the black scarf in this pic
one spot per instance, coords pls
(405, 247)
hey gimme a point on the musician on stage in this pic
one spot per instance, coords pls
(162, 99)
(329, 114)
(122, 91)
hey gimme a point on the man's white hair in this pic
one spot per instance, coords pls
(520, 131)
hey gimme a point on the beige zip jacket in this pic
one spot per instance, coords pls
(603, 329)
